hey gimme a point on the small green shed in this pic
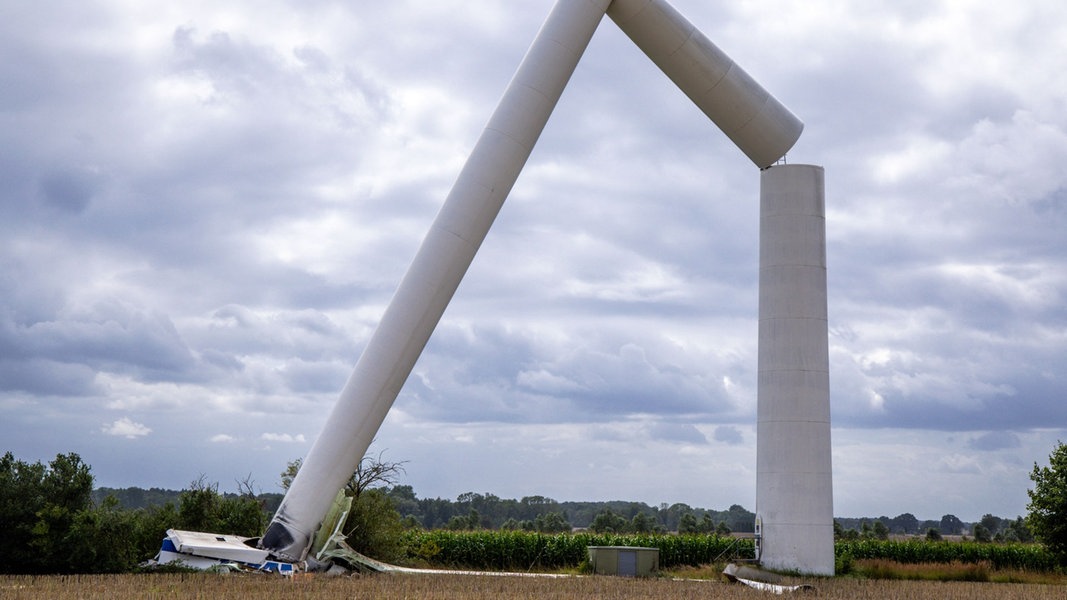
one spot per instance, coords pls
(626, 561)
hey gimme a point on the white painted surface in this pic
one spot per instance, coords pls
(215, 546)
(761, 126)
(794, 487)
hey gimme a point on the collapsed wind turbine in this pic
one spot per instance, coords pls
(794, 491)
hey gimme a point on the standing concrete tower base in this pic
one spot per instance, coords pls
(794, 494)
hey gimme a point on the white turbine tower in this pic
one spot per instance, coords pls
(794, 488)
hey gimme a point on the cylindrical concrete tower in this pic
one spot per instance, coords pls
(794, 493)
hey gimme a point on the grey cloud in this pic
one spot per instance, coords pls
(1027, 400)
(70, 189)
(995, 440)
(486, 373)
(108, 336)
(677, 432)
(728, 434)
(321, 377)
(113, 336)
(44, 377)
(630, 381)
(221, 360)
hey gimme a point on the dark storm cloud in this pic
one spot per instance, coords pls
(43, 377)
(108, 336)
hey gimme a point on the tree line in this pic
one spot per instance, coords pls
(989, 528)
(54, 522)
(51, 524)
(472, 510)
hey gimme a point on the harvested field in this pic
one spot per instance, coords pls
(453, 587)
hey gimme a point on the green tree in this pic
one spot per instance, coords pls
(104, 539)
(905, 523)
(244, 513)
(374, 526)
(405, 500)
(20, 499)
(738, 518)
(991, 523)
(880, 531)
(642, 523)
(950, 525)
(291, 469)
(840, 533)
(1016, 531)
(198, 507)
(1047, 516)
(458, 523)
(38, 507)
(607, 521)
(152, 525)
(933, 535)
(474, 519)
(687, 523)
(551, 522)
(67, 489)
(202, 508)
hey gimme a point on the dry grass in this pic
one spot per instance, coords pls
(953, 571)
(455, 587)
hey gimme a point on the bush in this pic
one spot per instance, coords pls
(373, 526)
(1047, 517)
(39, 506)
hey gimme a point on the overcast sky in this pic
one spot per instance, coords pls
(206, 206)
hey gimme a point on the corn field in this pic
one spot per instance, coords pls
(1027, 557)
(529, 551)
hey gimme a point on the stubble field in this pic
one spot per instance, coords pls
(453, 587)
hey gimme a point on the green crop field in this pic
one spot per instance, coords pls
(523, 551)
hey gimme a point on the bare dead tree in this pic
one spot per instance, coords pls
(373, 471)
(246, 487)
